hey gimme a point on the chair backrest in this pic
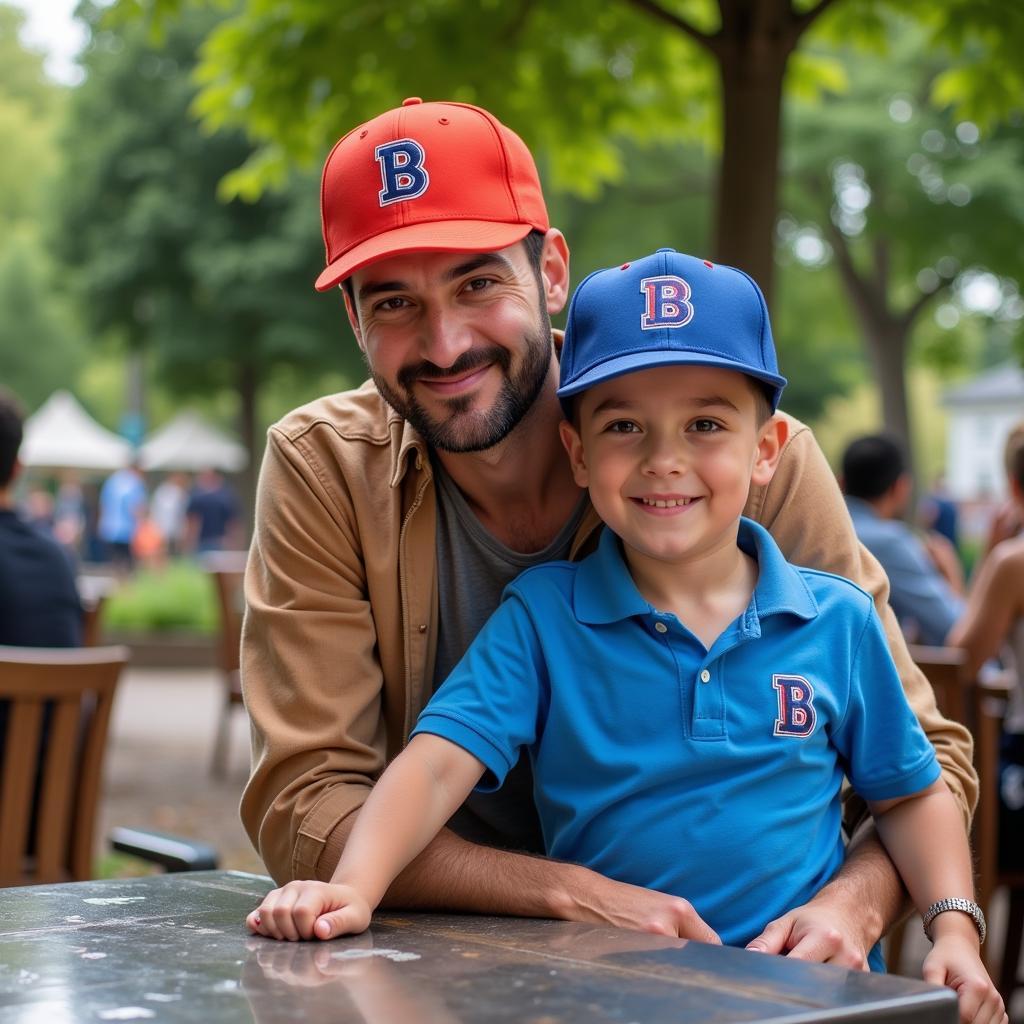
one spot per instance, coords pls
(227, 568)
(53, 730)
(980, 704)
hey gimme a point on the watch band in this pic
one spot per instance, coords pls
(968, 907)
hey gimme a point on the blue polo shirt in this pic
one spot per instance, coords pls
(710, 774)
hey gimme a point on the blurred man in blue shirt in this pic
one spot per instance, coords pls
(878, 488)
(122, 504)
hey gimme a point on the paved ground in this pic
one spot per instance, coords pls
(158, 776)
(158, 763)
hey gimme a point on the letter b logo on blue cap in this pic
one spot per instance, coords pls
(668, 302)
(401, 171)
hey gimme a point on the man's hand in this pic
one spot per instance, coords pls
(819, 932)
(592, 898)
(310, 910)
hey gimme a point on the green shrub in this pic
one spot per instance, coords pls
(178, 596)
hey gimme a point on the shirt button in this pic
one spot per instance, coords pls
(661, 627)
(705, 676)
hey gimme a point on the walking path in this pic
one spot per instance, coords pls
(157, 772)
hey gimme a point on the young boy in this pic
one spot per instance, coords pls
(689, 700)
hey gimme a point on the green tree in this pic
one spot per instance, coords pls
(917, 212)
(217, 292)
(576, 79)
(39, 349)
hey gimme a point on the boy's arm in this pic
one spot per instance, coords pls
(416, 795)
(925, 837)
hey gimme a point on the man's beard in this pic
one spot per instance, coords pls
(464, 429)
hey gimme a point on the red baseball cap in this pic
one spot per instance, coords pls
(423, 177)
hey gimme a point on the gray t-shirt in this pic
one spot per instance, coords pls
(473, 568)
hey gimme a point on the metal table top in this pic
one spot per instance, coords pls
(175, 948)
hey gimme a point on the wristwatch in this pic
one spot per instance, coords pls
(968, 907)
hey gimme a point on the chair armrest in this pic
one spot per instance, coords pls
(171, 852)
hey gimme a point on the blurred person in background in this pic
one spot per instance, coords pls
(168, 511)
(213, 515)
(938, 513)
(39, 605)
(993, 625)
(925, 577)
(122, 503)
(69, 514)
(1008, 520)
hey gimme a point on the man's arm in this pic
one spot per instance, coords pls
(311, 673)
(805, 512)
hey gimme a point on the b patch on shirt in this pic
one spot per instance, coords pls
(796, 706)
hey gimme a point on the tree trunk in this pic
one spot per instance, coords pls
(248, 388)
(748, 174)
(887, 348)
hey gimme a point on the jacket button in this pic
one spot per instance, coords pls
(423, 627)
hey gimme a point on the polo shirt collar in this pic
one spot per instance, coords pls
(604, 591)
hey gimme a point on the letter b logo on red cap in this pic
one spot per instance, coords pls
(401, 171)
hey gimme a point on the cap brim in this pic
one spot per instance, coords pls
(645, 360)
(436, 236)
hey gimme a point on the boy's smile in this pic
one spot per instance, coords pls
(668, 455)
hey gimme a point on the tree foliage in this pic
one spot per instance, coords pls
(918, 212)
(38, 348)
(578, 80)
(218, 292)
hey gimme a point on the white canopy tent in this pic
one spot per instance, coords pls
(60, 434)
(189, 443)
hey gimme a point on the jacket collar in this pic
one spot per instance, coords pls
(604, 591)
(409, 442)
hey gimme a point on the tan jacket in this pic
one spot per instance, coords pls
(339, 637)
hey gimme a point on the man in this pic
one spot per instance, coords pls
(878, 490)
(122, 506)
(389, 519)
(212, 513)
(39, 604)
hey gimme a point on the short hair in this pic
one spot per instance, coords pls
(533, 243)
(871, 465)
(1013, 454)
(11, 418)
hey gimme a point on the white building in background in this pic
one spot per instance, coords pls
(981, 413)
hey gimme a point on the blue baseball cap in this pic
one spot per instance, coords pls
(666, 309)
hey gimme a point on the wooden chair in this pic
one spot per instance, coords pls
(227, 569)
(980, 704)
(49, 790)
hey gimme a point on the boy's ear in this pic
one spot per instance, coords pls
(353, 320)
(574, 446)
(772, 439)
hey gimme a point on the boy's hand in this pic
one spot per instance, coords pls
(310, 910)
(954, 962)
